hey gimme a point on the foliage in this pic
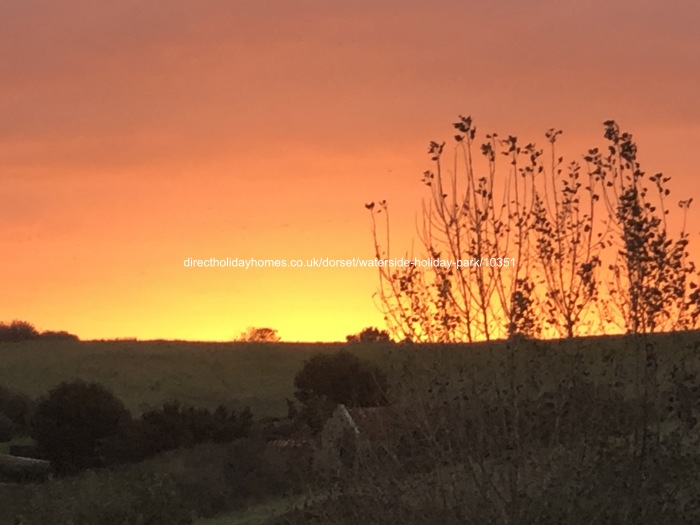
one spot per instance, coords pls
(7, 428)
(370, 335)
(314, 414)
(524, 432)
(24, 331)
(17, 331)
(80, 425)
(517, 246)
(217, 477)
(203, 481)
(60, 335)
(175, 425)
(651, 277)
(17, 407)
(341, 378)
(259, 335)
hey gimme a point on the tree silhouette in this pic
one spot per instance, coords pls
(525, 239)
(370, 335)
(259, 335)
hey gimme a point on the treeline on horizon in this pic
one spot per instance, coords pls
(16, 331)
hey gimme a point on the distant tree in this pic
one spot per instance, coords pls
(17, 331)
(259, 335)
(370, 335)
(77, 424)
(60, 335)
(341, 378)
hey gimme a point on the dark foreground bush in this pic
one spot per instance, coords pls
(517, 435)
(17, 407)
(60, 335)
(17, 331)
(341, 378)
(220, 477)
(175, 425)
(81, 425)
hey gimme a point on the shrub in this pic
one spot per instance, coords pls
(314, 413)
(61, 335)
(17, 407)
(370, 335)
(255, 473)
(17, 331)
(217, 477)
(259, 335)
(80, 425)
(175, 426)
(7, 428)
(341, 378)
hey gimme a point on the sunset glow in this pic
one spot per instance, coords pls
(135, 135)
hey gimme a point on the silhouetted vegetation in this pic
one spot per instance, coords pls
(175, 425)
(341, 378)
(527, 432)
(17, 408)
(259, 335)
(17, 331)
(60, 335)
(370, 335)
(80, 425)
(531, 236)
(602, 425)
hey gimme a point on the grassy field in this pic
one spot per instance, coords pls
(148, 373)
(261, 376)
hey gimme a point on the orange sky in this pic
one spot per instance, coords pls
(136, 134)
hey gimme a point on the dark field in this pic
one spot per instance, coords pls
(148, 373)
(605, 425)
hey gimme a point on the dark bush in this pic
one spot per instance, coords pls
(315, 413)
(213, 478)
(7, 428)
(370, 335)
(17, 331)
(259, 471)
(175, 426)
(61, 335)
(259, 335)
(80, 425)
(249, 475)
(341, 378)
(17, 407)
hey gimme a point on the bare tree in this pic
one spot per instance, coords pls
(259, 335)
(517, 247)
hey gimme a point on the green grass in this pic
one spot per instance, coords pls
(148, 373)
